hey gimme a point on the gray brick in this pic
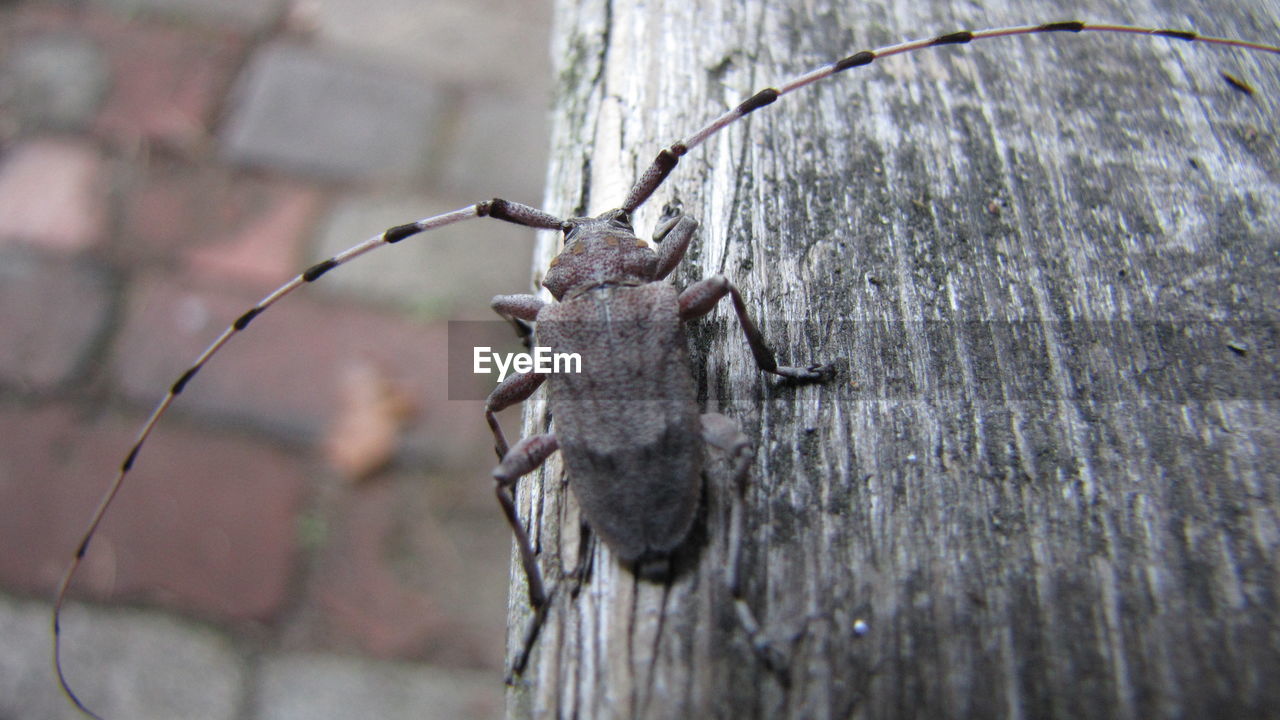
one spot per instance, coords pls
(490, 44)
(55, 81)
(500, 149)
(123, 664)
(318, 687)
(306, 111)
(54, 313)
(452, 272)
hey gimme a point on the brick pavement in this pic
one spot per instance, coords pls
(164, 163)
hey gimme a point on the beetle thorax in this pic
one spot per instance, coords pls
(599, 251)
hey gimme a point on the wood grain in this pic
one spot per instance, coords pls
(1048, 267)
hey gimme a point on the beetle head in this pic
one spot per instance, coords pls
(599, 250)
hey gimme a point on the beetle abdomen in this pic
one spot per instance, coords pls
(628, 423)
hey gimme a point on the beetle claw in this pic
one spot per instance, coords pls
(812, 373)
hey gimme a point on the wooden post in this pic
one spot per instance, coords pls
(1045, 476)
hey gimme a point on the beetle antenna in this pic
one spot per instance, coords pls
(666, 161)
(496, 208)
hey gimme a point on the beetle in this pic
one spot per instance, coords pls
(589, 281)
(628, 426)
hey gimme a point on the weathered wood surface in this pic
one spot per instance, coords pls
(1046, 475)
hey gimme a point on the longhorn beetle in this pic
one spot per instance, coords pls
(605, 277)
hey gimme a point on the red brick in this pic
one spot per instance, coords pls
(284, 371)
(53, 194)
(167, 81)
(416, 569)
(55, 311)
(34, 18)
(225, 226)
(165, 207)
(260, 234)
(168, 84)
(205, 523)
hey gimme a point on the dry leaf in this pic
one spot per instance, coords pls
(374, 412)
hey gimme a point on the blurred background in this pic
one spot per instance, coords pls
(311, 532)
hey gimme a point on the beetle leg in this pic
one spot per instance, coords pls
(519, 310)
(723, 433)
(673, 236)
(698, 299)
(515, 389)
(527, 456)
